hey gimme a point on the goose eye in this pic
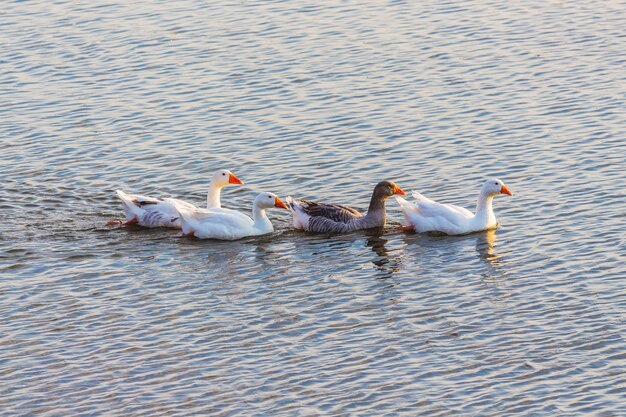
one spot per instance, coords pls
(269, 196)
(223, 174)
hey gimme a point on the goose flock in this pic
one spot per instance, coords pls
(215, 222)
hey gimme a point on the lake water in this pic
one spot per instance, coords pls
(319, 101)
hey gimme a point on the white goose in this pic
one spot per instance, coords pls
(153, 212)
(227, 224)
(429, 216)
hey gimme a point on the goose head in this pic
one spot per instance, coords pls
(385, 189)
(494, 187)
(269, 200)
(224, 177)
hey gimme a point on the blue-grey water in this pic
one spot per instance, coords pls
(319, 100)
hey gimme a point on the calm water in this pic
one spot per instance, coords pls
(319, 102)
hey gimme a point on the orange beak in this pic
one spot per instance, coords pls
(398, 190)
(232, 179)
(505, 190)
(279, 204)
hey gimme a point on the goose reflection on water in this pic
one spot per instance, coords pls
(485, 246)
(492, 266)
(384, 262)
(495, 275)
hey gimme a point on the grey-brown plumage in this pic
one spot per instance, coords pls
(145, 202)
(337, 218)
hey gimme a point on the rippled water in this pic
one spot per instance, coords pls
(319, 101)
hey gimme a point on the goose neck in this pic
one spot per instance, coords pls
(484, 204)
(376, 214)
(213, 196)
(261, 221)
(377, 204)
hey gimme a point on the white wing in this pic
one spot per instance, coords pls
(427, 215)
(212, 223)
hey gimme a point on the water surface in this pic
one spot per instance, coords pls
(322, 102)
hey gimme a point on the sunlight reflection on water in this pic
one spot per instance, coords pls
(319, 102)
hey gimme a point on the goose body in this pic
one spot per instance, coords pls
(337, 218)
(154, 212)
(426, 215)
(227, 224)
(148, 211)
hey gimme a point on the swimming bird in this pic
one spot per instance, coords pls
(218, 224)
(337, 218)
(427, 215)
(154, 212)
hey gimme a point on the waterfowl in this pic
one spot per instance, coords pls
(337, 218)
(154, 212)
(429, 216)
(225, 225)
